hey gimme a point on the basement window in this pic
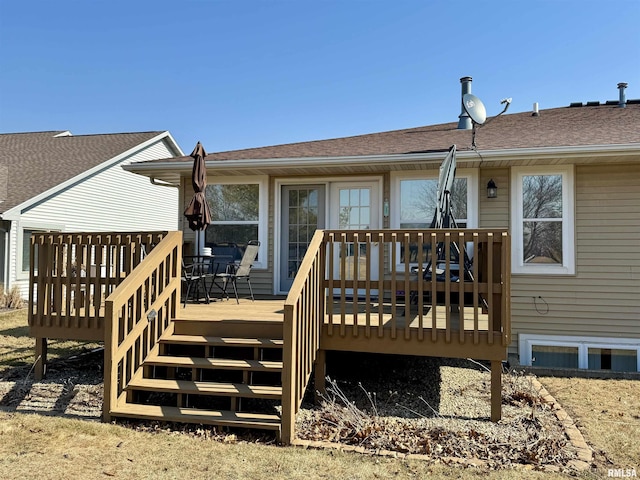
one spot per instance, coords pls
(554, 356)
(592, 353)
(614, 359)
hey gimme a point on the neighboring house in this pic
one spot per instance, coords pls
(568, 188)
(56, 181)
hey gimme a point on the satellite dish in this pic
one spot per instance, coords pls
(445, 184)
(474, 108)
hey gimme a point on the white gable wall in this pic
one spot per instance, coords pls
(110, 200)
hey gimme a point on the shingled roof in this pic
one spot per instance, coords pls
(557, 127)
(36, 162)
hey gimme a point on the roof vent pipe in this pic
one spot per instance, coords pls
(622, 102)
(536, 112)
(465, 121)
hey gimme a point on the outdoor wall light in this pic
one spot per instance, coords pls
(492, 189)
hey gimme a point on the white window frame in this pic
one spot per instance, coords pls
(470, 174)
(263, 211)
(21, 274)
(568, 266)
(526, 341)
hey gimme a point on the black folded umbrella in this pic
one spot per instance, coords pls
(197, 212)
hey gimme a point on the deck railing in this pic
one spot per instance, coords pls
(304, 311)
(384, 291)
(136, 315)
(387, 280)
(71, 274)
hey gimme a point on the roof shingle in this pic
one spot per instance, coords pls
(36, 162)
(557, 127)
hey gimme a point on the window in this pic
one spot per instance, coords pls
(593, 353)
(26, 247)
(238, 214)
(554, 356)
(543, 238)
(615, 359)
(416, 198)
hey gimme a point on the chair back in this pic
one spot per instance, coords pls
(250, 254)
(226, 250)
(187, 270)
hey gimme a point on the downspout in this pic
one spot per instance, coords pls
(7, 249)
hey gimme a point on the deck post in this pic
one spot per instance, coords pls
(320, 375)
(41, 358)
(289, 370)
(496, 390)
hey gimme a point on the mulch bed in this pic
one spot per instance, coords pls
(436, 409)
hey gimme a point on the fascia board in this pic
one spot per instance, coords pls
(15, 212)
(565, 151)
(487, 155)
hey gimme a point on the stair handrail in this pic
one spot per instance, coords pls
(304, 311)
(137, 313)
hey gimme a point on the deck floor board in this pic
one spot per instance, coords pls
(273, 310)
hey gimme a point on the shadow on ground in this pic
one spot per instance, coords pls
(395, 385)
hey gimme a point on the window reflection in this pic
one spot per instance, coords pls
(542, 218)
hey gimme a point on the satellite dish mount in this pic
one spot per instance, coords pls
(474, 107)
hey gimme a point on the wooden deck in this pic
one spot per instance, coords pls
(354, 291)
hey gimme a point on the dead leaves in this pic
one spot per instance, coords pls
(526, 439)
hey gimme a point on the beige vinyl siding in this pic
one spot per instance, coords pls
(494, 212)
(603, 298)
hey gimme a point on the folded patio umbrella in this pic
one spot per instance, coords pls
(197, 212)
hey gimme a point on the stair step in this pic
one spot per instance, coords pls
(222, 341)
(205, 388)
(194, 415)
(220, 324)
(218, 363)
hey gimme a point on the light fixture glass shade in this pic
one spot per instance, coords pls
(492, 189)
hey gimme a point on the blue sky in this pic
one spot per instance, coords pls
(243, 73)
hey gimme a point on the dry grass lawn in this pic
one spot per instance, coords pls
(17, 348)
(39, 446)
(607, 412)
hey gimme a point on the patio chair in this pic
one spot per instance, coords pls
(193, 275)
(234, 272)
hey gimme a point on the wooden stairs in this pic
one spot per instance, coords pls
(221, 372)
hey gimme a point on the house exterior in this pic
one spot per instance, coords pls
(568, 190)
(59, 182)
